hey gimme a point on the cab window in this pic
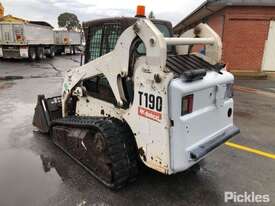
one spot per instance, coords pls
(141, 50)
(95, 43)
(102, 39)
(99, 87)
(164, 30)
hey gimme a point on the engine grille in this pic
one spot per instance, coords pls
(182, 63)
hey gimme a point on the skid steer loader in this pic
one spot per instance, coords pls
(142, 95)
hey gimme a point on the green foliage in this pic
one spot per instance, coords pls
(69, 21)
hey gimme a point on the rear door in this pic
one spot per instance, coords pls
(7, 34)
(201, 110)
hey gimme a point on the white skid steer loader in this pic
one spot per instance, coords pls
(141, 95)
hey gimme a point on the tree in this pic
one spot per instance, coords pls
(151, 15)
(69, 21)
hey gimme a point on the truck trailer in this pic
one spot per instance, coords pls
(31, 40)
(67, 42)
(21, 39)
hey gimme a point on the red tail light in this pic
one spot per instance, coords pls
(187, 104)
(18, 37)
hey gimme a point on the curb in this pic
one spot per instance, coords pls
(250, 75)
(11, 77)
(254, 91)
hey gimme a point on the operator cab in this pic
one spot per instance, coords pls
(101, 38)
(101, 35)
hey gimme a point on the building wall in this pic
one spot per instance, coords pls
(244, 31)
(217, 22)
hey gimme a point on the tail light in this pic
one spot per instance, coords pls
(18, 37)
(187, 104)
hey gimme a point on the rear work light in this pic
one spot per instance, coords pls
(187, 104)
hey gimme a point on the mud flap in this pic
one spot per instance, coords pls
(46, 110)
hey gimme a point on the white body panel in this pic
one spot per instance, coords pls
(67, 38)
(208, 119)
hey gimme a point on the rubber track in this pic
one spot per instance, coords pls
(121, 147)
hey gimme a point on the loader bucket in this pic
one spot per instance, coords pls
(46, 110)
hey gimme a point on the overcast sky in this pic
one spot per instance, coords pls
(48, 10)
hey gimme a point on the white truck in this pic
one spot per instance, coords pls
(35, 40)
(30, 40)
(67, 42)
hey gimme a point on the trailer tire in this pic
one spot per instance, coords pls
(74, 50)
(32, 54)
(40, 53)
(52, 52)
(71, 50)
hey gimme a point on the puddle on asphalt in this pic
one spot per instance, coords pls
(30, 176)
(22, 173)
(32, 169)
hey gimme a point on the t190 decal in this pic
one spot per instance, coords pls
(148, 103)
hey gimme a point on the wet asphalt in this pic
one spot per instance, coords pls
(35, 172)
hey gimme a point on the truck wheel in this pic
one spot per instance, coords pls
(32, 54)
(71, 50)
(40, 53)
(74, 50)
(52, 52)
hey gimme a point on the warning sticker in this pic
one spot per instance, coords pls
(147, 113)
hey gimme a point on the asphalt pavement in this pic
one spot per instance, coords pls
(35, 172)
